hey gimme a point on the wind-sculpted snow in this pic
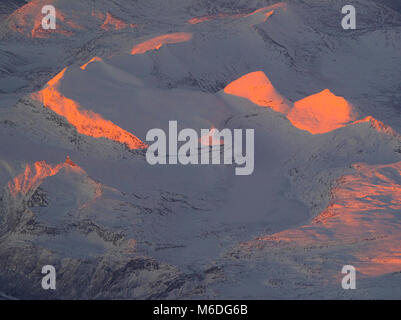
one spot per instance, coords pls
(87, 122)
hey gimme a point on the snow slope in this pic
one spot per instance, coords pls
(77, 192)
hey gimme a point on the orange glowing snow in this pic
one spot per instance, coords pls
(257, 88)
(85, 121)
(210, 139)
(157, 42)
(98, 14)
(32, 177)
(83, 67)
(197, 20)
(365, 210)
(270, 10)
(317, 114)
(38, 32)
(113, 22)
(27, 20)
(267, 15)
(380, 260)
(321, 113)
(378, 125)
(20, 19)
(110, 22)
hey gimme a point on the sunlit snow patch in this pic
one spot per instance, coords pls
(85, 121)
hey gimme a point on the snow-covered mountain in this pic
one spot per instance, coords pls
(77, 193)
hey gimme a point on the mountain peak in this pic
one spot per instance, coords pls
(256, 87)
